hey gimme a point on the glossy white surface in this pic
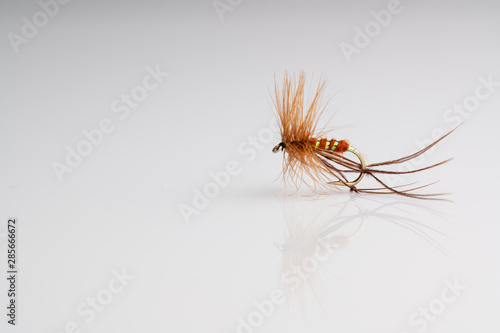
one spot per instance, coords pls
(119, 211)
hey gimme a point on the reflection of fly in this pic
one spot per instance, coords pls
(310, 153)
(314, 231)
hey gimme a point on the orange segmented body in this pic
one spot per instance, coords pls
(338, 146)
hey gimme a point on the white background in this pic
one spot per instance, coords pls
(119, 209)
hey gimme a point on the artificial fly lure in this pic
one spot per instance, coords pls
(308, 152)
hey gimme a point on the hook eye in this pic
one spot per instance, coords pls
(279, 147)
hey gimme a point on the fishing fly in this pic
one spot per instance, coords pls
(311, 158)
